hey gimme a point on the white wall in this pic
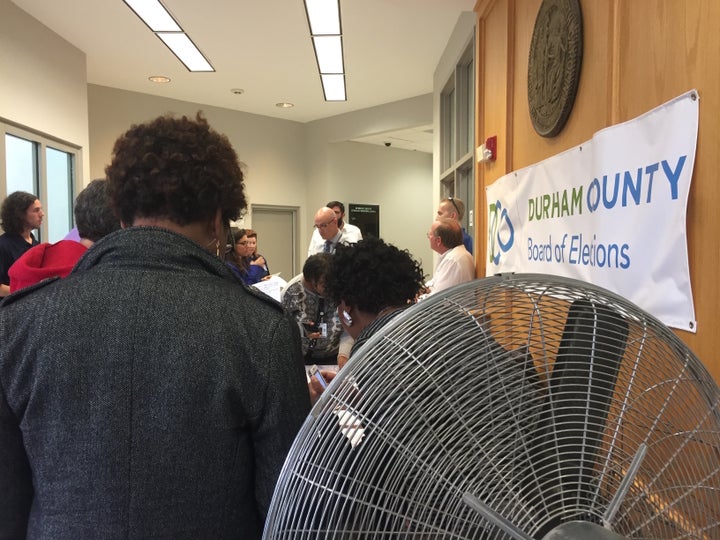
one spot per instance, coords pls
(43, 81)
(304, 165)
(399, 181)
(271, 149)
(43, 87)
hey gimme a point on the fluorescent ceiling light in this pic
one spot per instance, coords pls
(185, 50)
(324, 20)
(334, 87)
(323, 16)
(154, 14)
(328, 50)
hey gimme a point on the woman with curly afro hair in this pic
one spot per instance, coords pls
(371, 282)
(149, 393)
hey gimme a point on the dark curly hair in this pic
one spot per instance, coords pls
(177, 169)
(372, 275)
(13, 211)
(93, 215)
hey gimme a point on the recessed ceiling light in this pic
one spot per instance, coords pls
(159, 79)
(237, 91)
(284, 105)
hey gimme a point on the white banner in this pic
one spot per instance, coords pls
(610, 211)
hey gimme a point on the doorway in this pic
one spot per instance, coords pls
(277, 231)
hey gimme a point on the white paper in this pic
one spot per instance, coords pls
(271, 286)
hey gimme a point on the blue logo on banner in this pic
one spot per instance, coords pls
(500, 226)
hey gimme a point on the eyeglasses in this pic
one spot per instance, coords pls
(324, 225)
(240, 243)
(452, 200)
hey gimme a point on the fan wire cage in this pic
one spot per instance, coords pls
(516, 406)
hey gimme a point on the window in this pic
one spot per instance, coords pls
(457, 134)
(58, 202)
(447, 125)
(466, 106)
(21, 165)
(43, 167)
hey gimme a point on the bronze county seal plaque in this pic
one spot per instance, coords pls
(554, 65)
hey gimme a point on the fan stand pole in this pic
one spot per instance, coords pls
(493, 517)
(614, 505)
(581, 530)
(572, 529)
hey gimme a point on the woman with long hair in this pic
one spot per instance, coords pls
(239, 260)
(21, 212)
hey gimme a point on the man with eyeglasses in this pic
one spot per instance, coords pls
(455, 265)
(327, 233)
(454, 208)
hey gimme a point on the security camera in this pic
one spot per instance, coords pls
(388, 143)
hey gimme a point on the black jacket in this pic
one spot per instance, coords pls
(148, 394)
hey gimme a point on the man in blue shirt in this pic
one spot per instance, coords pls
(454, 208)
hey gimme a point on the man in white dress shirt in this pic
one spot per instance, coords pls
(352, 234)
(349, 234)
(455, 264)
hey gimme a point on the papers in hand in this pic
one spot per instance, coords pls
(271, 286)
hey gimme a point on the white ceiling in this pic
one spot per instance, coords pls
(263, 47)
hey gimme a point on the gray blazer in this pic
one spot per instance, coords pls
(148, 394)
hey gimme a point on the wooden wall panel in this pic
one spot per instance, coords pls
(637, 55)
(591, 110)
(494, 97)
(495, 60)
(667, 47)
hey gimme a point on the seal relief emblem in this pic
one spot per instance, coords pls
(554, 65)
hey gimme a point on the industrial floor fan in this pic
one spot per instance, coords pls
(517, 406)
